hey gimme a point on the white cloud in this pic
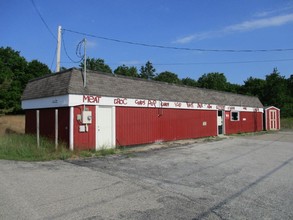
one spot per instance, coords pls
(91, 44)
(131, 62)
(260, 23)
(274, 11)
(241, 27)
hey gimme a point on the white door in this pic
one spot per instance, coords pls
(105, 127)
(220, 122)
(273, 119)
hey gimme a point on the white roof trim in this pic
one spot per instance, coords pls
(75, 100)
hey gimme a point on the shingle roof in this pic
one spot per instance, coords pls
(102, 84)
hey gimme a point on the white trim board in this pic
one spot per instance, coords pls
(75, 100)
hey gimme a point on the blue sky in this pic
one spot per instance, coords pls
(206, 24)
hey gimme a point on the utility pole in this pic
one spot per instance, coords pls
(84, 64)
(58, 56)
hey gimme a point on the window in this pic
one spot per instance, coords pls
(234, 116)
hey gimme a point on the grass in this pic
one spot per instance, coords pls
(11, 124)
(23, 147)
(287, 123)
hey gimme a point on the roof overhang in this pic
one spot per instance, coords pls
(76, 100)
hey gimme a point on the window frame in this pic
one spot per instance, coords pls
(238, 116)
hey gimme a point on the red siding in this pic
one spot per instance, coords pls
(248, 122)
(63, 124)
(84, 140)
(47, 123)
(147, 125)
(30, 122)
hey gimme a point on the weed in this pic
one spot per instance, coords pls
(85, 153)
(212, 138)
(105, 152)
(287, 123)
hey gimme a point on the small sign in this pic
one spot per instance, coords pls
(82, 128)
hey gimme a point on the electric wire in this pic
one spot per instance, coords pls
(65, 50)
(43, 20)
(207, 63)
(78, 52)
(178, 48)
(224, 62)
(54, 56)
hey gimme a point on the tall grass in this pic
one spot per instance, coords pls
(287, 123)
(24, 147)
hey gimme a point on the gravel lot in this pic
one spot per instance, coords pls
(244, 177)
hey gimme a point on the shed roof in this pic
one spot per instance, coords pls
(110, 85)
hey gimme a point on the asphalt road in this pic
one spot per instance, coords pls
(247, 177)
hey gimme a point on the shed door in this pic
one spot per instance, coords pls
(220, 122)
(105, 127)
(273, 119)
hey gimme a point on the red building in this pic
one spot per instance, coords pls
(272, 118)
(114, 110)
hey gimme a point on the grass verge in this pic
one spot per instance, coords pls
(287, 123)
(23, 147)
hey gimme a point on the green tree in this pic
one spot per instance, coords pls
(63, 68)
(276, 91)
(288, 107)
(290, 85)
(147, 71)
(126, 71)
(97, 65)
(34, 69)
(12, 70)
(15, 72)
(167, 76)
(216, 81)
(254, 86)
(234, 88)
(189, 82)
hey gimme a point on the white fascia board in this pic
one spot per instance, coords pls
(75, 100)
(145, 103)
(48, 102)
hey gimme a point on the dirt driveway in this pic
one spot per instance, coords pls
(247, 177)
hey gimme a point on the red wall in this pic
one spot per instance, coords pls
(84, 140)
(252, 123)
(63, 124)
(47, 123)
(30, 122)
(147, 125)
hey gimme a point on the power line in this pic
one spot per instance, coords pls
(225, 62)
(178, 48)
(78, 52)
(43, 20)
(65, 50)
(207, 63)
(53, 58)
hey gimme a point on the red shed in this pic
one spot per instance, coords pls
(272, 118)
(115, 110)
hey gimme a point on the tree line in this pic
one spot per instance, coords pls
(15, 72)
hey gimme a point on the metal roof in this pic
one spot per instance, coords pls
(110, 85)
